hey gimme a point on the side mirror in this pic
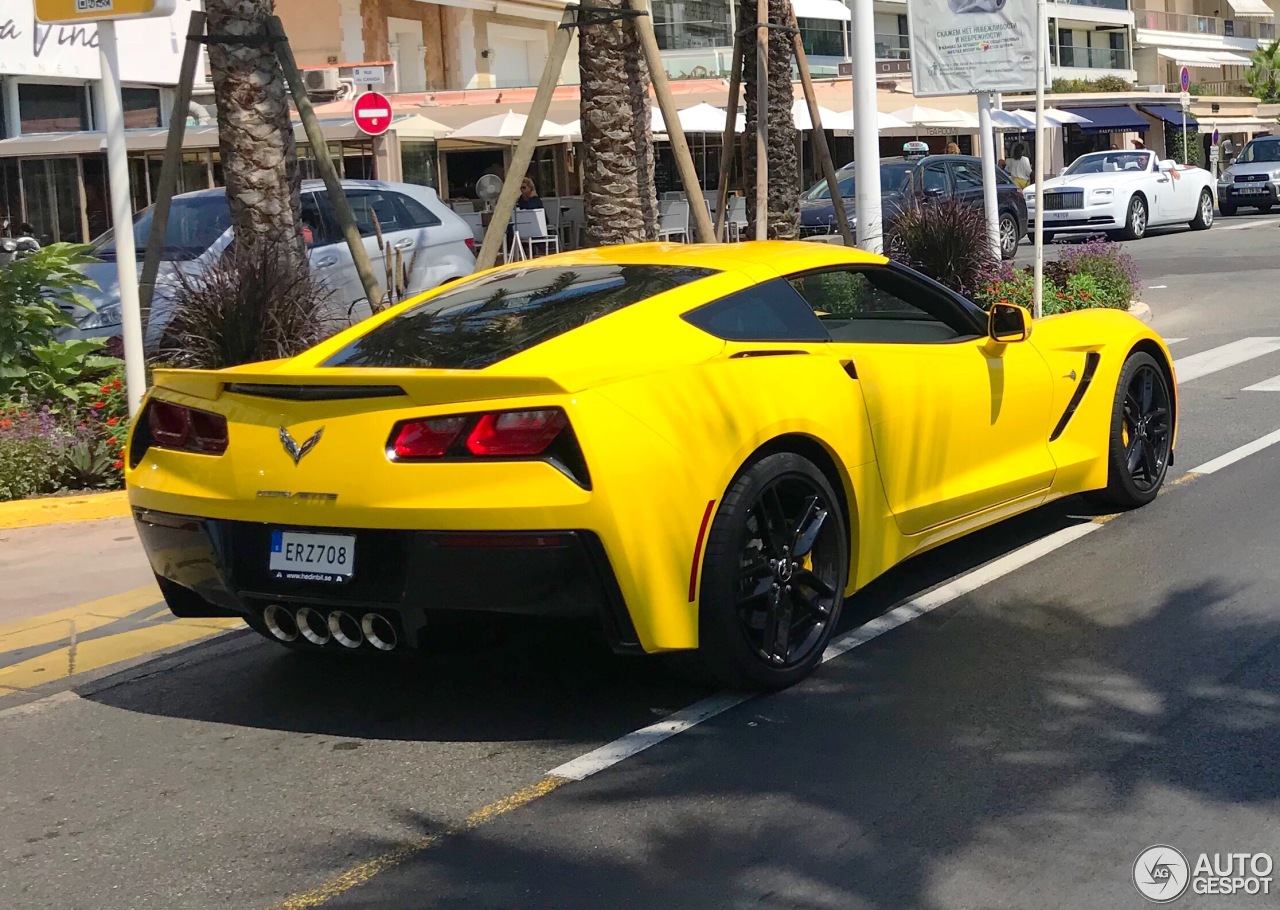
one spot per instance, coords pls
(935, 192)
(1008, 323)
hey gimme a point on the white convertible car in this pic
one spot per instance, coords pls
(1124, 193)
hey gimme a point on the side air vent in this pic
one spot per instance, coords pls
(314, 392)
(1090, 367)
(742, 354)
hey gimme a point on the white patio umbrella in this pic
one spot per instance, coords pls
(800, 115)
(961, 120)
(508, 127)
(843, 120)
(918, 115)
(1007, 120)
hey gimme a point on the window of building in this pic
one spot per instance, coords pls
(691, 24)
(418, 161)
(52, 108)
(822, 37)
(141, 108)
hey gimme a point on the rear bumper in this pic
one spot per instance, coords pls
(403, 575)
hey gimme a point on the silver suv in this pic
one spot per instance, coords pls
(435, 244)
(1252, 181)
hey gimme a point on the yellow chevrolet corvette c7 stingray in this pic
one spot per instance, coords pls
(701, 447)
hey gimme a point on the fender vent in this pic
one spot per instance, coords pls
(1090, 367)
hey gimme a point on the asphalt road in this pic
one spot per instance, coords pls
(1015, 745)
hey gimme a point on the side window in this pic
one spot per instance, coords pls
(319, 223)
(413, 213)
(772, 311)
(934, 178)
(367, 206)
(968, 176)
(878, 304)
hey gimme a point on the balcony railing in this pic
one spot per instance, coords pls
(1204, 25)
(1098, 58)
(892, 47)
(1230, 88)
(1105, 4)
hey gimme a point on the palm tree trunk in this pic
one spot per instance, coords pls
(255, 134)
(619, 200)
(783, 163)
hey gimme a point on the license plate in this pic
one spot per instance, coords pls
(1058, 216)
(312, 557)
(1251, 190)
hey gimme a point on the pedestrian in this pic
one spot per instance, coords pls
(953, 149)
(1020, 167)
(1139, 145)
(529, 196)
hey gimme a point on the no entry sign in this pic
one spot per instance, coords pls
(372, 113)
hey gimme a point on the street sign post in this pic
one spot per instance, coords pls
(1184, 79)
(368, 75)
(105, 13)
(372, 113)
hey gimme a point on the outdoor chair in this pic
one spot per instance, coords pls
(531, 230)
(673, 220)
(736, 222)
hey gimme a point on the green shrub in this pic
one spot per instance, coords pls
(1107, 263)
(945, 239)
(26, 466)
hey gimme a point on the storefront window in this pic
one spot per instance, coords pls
(465, 168)
(141, 108)
(51, 188)
(195, 172)
(418, 163)
(691, 24)
(52, 108)
(10, 195)
(822, 37)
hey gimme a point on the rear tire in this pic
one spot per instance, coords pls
(773, 579)
(1141, 437)
(1264, 209)
(1204, 212)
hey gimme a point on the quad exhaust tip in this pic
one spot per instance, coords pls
(280, 623)
(378, 631)
(345, 629)
(313, 626)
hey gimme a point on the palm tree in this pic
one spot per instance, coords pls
(255, 134)
(1264, 73)
(619, 200)
(783, 164)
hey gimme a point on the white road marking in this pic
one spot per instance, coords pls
(1267, 385)
(1173, 340)
(1249, 448)
(1157, 287)
(633, 743)
(1251, 224)
(1194, 366)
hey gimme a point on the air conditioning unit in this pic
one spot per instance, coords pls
(1156, 89)
(325, 80)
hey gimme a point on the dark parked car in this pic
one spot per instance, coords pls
(904, 180)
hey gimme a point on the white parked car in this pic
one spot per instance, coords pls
(1125, 193)
(435, 245)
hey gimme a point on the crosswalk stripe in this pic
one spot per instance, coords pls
(1267, 385)
(1194, 366)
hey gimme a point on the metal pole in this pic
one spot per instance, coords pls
(1042, 27)
(169, 168)
(320, 149)
(987, 141)
(1185, 156)
(762, 119)
(496, 234)
(122, 217)
(866, 131)
(817, 136)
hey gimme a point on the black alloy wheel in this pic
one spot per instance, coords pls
(1141, 432)
(773, 580)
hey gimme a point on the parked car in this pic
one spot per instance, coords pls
(1252, 180)
(907, 179)
(435, 244)
(1124, 193)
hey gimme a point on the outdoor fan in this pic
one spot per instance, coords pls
(487, 188)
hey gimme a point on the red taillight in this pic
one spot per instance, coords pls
(173, 426)
(516, 432)
(470, 242)
(427, 438)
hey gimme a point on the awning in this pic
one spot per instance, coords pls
(1192, 58)
(1246, 9)
(1109, 120)
(821, 9)
(1170, 115)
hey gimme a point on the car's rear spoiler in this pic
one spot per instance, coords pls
(423, 387)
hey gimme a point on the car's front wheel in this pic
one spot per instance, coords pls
(1008, 235)
(1135, 225)
(773, 579)
(1204, 212)
(1141, 438)
(1227, 209)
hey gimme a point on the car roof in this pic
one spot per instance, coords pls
(311, 186)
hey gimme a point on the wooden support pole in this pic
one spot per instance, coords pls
(320, 149)
(727, 144)
(667, 104)
(762, 119)
(169, 167)
(817, 137)
(496, 234)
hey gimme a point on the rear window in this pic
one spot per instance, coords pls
(195, 222)
(482, 322)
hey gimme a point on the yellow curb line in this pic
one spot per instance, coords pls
(48, 628)
(52, 510)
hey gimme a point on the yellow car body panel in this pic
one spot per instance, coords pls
(927, 442)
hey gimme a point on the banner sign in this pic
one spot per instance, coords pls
(959, 47)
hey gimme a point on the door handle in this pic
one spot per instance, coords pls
(403, 244)
(326, 262)
(1162, 180)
